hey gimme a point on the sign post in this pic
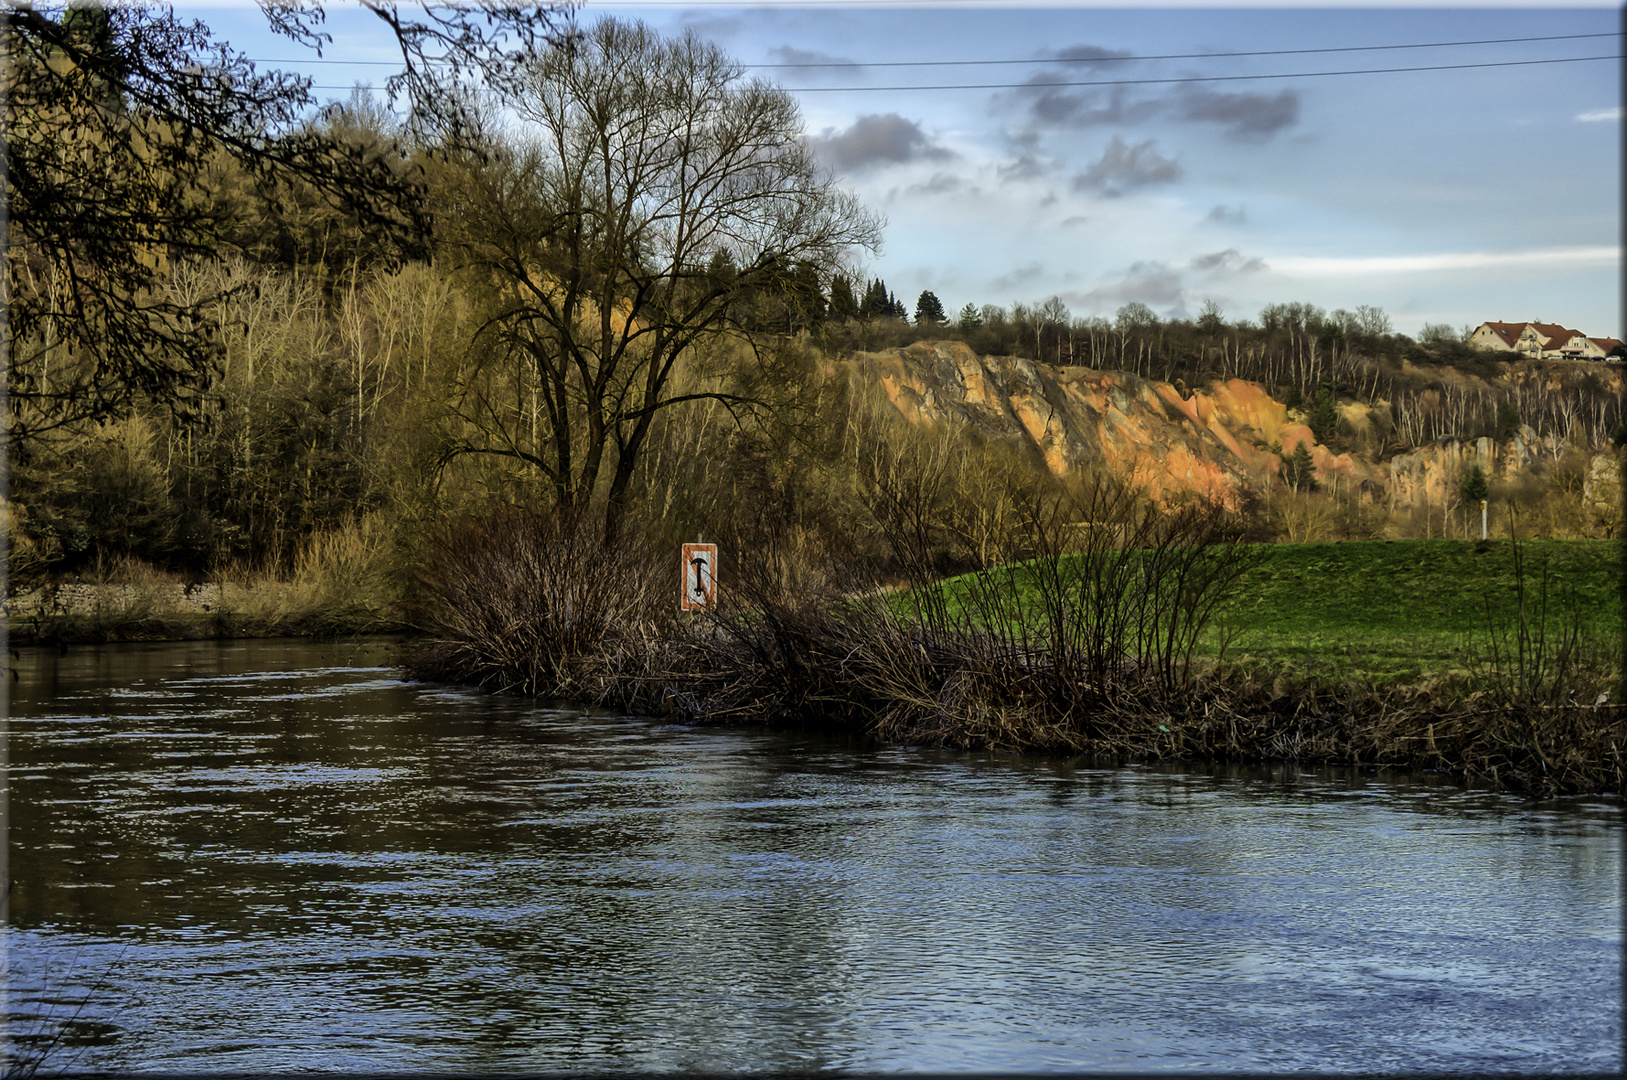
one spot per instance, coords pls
(697, 575)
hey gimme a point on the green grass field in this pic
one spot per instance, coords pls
(1400, 610)
(1407, 609)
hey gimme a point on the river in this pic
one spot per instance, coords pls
(276, 855)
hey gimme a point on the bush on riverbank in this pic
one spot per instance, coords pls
(522, 602)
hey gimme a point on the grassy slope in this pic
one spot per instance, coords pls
(1408, 608)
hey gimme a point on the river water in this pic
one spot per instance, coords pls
(255, 856)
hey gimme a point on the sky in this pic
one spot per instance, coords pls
(1442, 196)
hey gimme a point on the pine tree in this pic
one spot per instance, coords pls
(929, 309)
(896, 308)
(1508, 419)
(1298, 468)
(1475, 486)
(1324, 418)
(843, 305)
(806, 300)
(970, 318)
(875, 300)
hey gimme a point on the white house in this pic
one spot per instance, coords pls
(1549, 341)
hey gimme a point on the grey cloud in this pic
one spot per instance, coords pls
(1087, 53)
(1227, 215)
(817, 63)
(1244, 115)
(1024, 167)
(1020, 276)
(790, 54)
(1078, 108)
(1123, 168)
(1084, 106)
(1230, 261)
(711, 24)
(872, 140)
(1026, 141)
(940, 184)
(1151, 283)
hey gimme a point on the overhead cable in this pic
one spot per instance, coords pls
(1058, 59)
(1036, 85)
(1063, 84)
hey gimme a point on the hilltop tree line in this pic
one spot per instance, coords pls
(1311, 358)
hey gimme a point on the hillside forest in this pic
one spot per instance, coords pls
(555, 303)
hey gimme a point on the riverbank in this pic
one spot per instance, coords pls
(1110, 653)
(1487, 662)
(91, 613)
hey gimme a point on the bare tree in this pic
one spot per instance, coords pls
(652, 194)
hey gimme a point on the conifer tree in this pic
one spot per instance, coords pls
(1324, 418)
(843, 305)
(929, 309)
(1298, 468)
(1475, 486)
(875, 300)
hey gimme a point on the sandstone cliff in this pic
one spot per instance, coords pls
(1214, 441)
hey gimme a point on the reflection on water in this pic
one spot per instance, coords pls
(259, 855)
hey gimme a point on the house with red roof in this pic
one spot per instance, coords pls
(1496, 336)
(1548, 341)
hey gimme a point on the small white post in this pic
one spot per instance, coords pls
(1482, 519)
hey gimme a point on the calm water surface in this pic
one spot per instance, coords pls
(278, 856)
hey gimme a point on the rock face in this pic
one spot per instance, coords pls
(1170, 440)
(1601, 488)
(1167, 439)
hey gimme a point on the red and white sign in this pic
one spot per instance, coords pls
(698, 572)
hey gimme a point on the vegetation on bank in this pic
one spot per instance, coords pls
(1100, 643)
(343, 585)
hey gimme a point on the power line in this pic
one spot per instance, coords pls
(1201, 78)
(1171, 80)
(1178, 56)
(1063, 59)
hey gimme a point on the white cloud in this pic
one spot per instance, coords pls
(1335, 266)
(1600, 116)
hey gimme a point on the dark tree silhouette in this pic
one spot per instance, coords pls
(929, 309)
(842, 303)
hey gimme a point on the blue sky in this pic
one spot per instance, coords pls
(1441, 196)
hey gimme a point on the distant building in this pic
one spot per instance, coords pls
(1547, 341)
(1496, 336)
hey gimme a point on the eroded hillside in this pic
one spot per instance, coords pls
(1227, 436)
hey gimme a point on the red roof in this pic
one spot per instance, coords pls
(1605, 343)
(1551, 331)
(1507, 332)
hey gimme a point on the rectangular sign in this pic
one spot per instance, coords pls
(697, 571)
